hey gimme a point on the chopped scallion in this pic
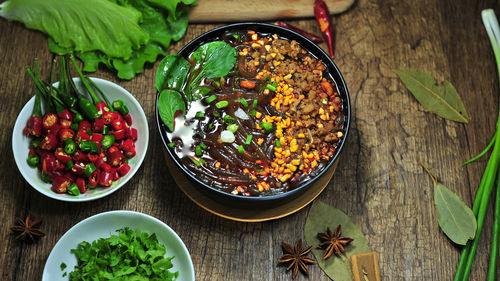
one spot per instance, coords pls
(172, 144)
(278, 143)
(217, 83)
(254, 105)
(216, 114)
(244, 102)
(249, 140)
(198, 150)
(228, 118)
(200, 114)
(236, 36)
(253, 112)
(204, 146)
(241, 149)
(232, 127)
(268, 127)
(271, 87)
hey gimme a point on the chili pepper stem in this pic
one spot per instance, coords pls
(492, 270)
(108, 103)
(95, 98)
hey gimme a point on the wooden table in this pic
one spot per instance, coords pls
(378, 182)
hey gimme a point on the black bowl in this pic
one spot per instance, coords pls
(243, 202)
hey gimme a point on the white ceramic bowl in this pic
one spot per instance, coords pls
(20, 145)
(104, 225)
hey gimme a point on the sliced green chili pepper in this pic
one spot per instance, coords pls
(211, 98)
(107, 141)
(73, 189)
(74, 127)
(89, 169)
(69, 146)
(33, 160)
(46, 178)
(120, 106)
(70, 164)
(222, 104)
(105, 130)
(89, 147)
(35, 143)
(77, 118)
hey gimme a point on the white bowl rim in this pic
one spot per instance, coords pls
(190, 265)
(57, 196)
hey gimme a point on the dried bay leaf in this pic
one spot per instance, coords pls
(455, 218)
(320, 217)
(440, 99)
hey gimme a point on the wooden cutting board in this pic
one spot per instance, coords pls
(260, 10)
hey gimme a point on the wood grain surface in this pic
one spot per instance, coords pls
(259, 10)
(378, 182)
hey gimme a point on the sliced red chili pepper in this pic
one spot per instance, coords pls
(106, 167)
(131, 153)
(116, 175)
(132, 133)
(127, 145)
(115, 158)
(102, 107)
(60, 165)
(65, 124)
(71, 177)
(48, 163)
(94, 178)
(96, 137)
(106, 179)
(65, 115)
(49, 142)
(108, 117)
(117, 124)
(78, 168)
(98, 125)
(34, 126)
(112, 149)
(92, 157)
(123, 169)
(49, 120)
(53, 130)
(79, 156)
(81, 135)
(128, 119)
(100, 161)
(119, 134)
(60, 184)
(84, 125)
(61, 155)
(66, 134)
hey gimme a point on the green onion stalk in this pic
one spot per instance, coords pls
(491, 173)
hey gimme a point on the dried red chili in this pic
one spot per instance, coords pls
(312, 37)
(325, 24)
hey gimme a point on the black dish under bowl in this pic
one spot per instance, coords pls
(247, 202)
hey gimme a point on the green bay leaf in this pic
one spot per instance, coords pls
(442, 100)
(321, 216)
(455, 219)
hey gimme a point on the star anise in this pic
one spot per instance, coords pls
(333, 242)
(27, 229)
(296, 258)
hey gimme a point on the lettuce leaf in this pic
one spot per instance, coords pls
(81, 25)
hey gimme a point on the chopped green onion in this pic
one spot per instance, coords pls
(254, 105)
(200, 114)
(253, 112)
(241, 149)
(197, 162)
(275, 84)
(236, 36)
(198, 150)
(201, 161)
(228, 118)
(259, 170)
(232, 127)
(249, 140)
(172, 144)
(217, 83)
(268, 127)
(211, 126)
(211, 98)
(271, 87)
(244, 102)
(216, 114)
(278, 143)
(222, 104)
(204, 146)
(266, 78)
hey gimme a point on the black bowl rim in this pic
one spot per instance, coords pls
(242, 26)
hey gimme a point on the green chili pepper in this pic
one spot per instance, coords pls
(222, 104)
(211, 99)
(77, 117)
(119, 105)
(35, 143)
(46, 178)
(107, 141)
(89, 147)
(33, 160)
(88, 108)
(89, 169)
(70, 164)
(73, 189)
(105, 130)
(69, 146)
